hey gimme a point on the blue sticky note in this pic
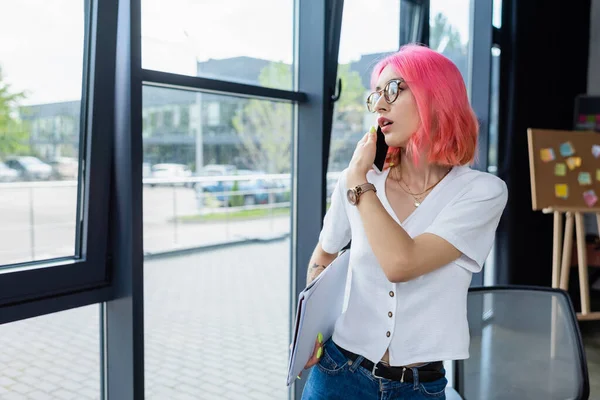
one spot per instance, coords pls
(584, 178)
(566, 149)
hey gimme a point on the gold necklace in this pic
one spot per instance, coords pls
(418, 197)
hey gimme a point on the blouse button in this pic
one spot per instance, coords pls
(388, 334)
(390, 314)
(391, 294)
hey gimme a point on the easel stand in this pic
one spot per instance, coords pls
(561, 257)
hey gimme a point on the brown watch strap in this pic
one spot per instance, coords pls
(355, 193)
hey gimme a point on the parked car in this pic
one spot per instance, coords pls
(171, 170)
(30, 168)
(146, 170)
(65, 168)
(217, 170)
(255, 190)
(8, 174)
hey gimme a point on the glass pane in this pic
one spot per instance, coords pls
(229, 39)
(232, 217)
(229, 137)
(52, 357)
(360, 49)
(40, 101)
(449, 31)
(494, 110)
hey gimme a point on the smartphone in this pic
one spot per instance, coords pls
(380, 152)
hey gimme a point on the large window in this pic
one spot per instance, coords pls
(56, 125)
(228, 184)
(360, 50)
(449, 31)
(217, 200)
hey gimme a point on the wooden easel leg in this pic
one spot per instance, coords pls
(556, 261)
(584, 288)
(556, 249)
(556, 265)
(567, 252)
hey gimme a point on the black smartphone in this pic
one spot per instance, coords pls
(380, 152)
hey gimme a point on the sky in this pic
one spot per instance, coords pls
(41, 41)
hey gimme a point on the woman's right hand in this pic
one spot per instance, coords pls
(317, 353)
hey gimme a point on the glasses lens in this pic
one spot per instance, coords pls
(372, 100)
(391, 91)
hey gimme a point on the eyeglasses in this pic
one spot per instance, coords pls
(390, 93)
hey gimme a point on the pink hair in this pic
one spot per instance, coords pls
(448, 130)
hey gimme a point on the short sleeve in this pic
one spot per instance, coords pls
(469, 223)
(336, 232)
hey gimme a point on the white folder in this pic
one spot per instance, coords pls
(319, 306)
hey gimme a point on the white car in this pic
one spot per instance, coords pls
(169, 171)
(30, 168)
(8, 174)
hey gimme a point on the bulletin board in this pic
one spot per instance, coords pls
(564, 169)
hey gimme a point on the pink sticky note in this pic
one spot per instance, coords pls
(590, 198)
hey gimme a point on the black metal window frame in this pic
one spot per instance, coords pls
(44, 286)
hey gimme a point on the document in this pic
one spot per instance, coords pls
(319, 306)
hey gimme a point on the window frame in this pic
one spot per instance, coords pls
(72, 279)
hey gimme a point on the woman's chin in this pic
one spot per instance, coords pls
(393, 140)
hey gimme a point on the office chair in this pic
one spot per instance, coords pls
(525, 344)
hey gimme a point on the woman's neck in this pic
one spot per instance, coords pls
(418, 176)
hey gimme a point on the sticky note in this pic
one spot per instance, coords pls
(547, 154)
(566, 149)
(560, 169)
(596, 150)
(584, 178)
(561, 190)
(573, 162)
(590, 198)
(598, 174)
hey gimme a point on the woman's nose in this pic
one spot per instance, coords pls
(381, 104)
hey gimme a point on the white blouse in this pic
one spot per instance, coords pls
(424, 319)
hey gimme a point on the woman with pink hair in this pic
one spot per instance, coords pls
(419, 230)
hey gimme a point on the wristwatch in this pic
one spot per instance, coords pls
(355, 193)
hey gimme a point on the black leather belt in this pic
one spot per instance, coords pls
(427, 373)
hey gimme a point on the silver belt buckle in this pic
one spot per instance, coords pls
(374, 374)
(381, 377)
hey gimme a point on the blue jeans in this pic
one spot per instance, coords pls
(334, 377)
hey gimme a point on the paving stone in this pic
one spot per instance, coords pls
(64, 394)
(197, 307)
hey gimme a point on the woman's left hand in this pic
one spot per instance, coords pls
(362, 160)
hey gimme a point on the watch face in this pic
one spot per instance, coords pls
(351, 196)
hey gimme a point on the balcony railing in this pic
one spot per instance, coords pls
(39, 218)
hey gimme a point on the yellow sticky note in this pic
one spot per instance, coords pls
(547, 154)
(560, 169)
(598, 174)
(573, 162)
(561, 190)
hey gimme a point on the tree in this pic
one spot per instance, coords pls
(264, 127)
(443, 36)
(13, 136)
